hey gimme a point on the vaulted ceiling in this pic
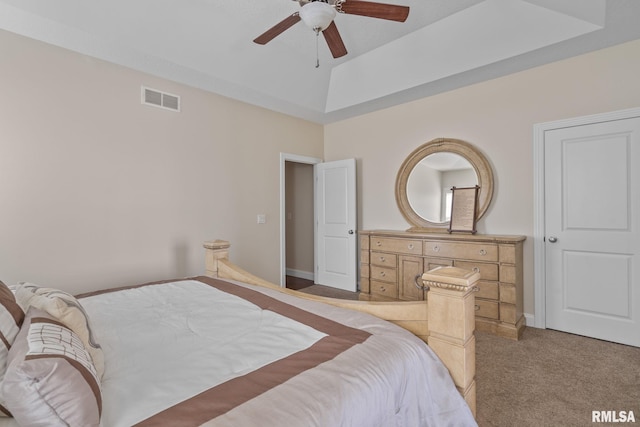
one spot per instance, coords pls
(444, 44)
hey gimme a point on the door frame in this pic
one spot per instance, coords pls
(287, 157)
(539, 248)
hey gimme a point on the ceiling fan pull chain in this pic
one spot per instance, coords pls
(317, 54)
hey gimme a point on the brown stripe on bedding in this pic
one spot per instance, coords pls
(8, 300)
(265, 302)
(48, 320)
(5, 411)
(5, 341)
(86, 375)
(226, 396)
(124, 288)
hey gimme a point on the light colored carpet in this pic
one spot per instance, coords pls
(551, 378)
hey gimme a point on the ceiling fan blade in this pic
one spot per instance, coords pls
(336, 45)
(391, 12)
(278, 29)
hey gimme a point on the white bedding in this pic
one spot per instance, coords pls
(188, 338)
(169, 343)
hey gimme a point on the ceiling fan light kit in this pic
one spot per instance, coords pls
(319, 14)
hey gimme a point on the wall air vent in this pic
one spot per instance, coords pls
(160, 99)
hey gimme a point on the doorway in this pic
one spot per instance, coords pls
(586, 230)
(332, 230)
(297, 251)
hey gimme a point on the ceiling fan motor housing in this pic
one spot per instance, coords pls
(317, 15)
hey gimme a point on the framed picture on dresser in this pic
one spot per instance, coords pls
(464, 201)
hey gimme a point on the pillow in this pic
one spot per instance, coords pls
(11, 318)
(50, 379)
(65, 308)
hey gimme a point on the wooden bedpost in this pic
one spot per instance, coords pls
(215, 250)
(452, 323)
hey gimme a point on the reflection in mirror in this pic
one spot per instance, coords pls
(429, 184)
(433, 168)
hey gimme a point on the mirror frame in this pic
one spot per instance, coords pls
(457, 146)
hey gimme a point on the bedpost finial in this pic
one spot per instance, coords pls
(216, 244)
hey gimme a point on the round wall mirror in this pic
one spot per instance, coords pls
(425, 179)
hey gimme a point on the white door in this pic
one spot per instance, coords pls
(592, 230)
(336, 236)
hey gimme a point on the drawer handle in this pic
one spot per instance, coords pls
(476, 269)
(422, 287)
(436, 248)
(381, 259)
(477, 307)
(382, 273)
(383, 289)
(410, 246)
(378, 243)
(483, 252)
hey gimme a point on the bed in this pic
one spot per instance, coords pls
(230, 349)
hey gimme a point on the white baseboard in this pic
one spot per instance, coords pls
(300, 274)
(530, 320)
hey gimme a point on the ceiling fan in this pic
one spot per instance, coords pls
(318, 15)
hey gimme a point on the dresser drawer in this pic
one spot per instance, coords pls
(431, 263)
(487, 290)
(384, 289)
(401, 246)
(471, 251)
(487, 271)
(488, 309)
(383, 259)
(384, 274)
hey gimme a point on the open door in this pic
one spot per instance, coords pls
(336, 237)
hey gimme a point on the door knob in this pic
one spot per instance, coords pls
(553, 239)
(350, 231)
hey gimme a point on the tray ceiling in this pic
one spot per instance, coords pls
(444, 44)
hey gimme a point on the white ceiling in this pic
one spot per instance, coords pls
(444, 44)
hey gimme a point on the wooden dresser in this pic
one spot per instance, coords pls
(391, 262)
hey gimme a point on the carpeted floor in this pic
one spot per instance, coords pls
(551, 378)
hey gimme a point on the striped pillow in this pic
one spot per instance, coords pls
(50, 378)
(67, 309)
(11, 318)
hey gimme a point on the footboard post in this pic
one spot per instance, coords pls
(215, 250)
(451, 314)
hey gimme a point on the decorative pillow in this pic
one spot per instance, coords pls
(65, 308)
(50, 379)
(11, 318)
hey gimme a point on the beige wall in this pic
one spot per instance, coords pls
(498, 117)
(98, 190)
